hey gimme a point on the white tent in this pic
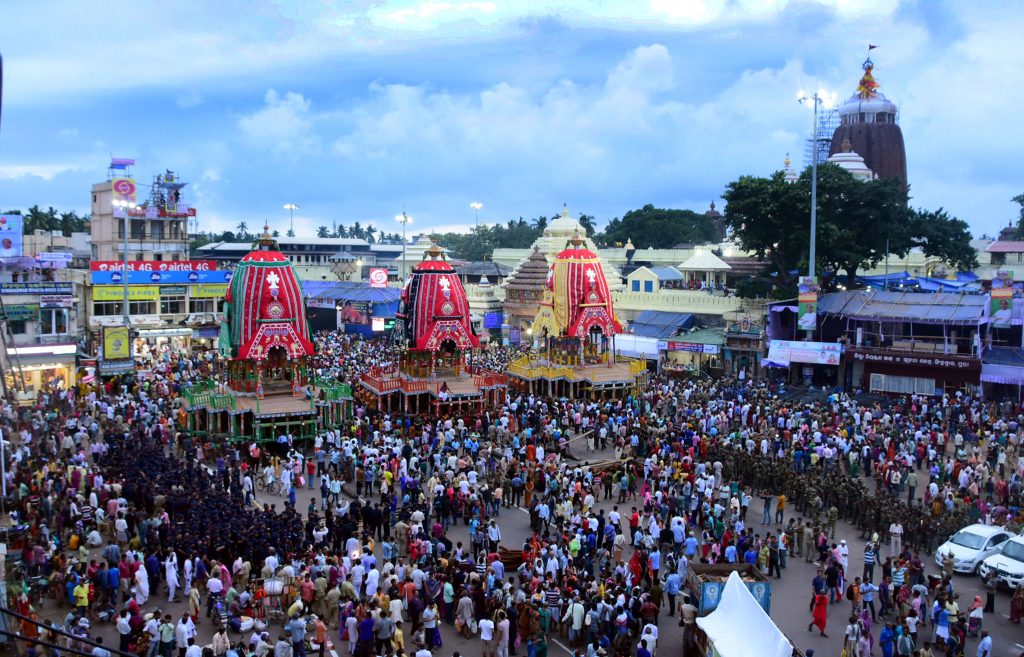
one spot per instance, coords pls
(760, 636)
(636, 346)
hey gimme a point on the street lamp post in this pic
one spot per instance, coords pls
(291, 208)
(826, 100)
(125, 206)
(405, 220)
(476, 205)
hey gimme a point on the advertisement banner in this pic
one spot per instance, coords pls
(783, 352)
(117, 344)
(173, 290)
(355, 312)
(159, 277)
(56, 301)
(135, 293)
(378, 277)
(694, 347)
(124, 189)
(1001, 300)
(808, 298)
(55, 257)
(151, 265)
(11, 229)
(209, 291)
(36, 288)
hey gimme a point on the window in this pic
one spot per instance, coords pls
(142, 307)
(172, 305)
(106, 308)
(648, 286)
(53, 321)
(16, 326)
(210, 305)
(636, 286)
(157, 230)
(157, 257)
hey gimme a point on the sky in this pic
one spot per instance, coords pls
(356, 111)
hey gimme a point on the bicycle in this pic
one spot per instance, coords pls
(268, 484)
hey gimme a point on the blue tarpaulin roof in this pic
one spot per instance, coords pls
(660, 324)
(902, 279)
(922, 307)
(350, 291)
(667, 273)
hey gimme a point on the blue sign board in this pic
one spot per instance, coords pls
(492, 320)
(36, 288)
(161, 277)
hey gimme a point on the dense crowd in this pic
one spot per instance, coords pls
(119, 504)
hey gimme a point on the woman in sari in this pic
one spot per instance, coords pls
(1017, 604)
(867, 641)
(975, 617)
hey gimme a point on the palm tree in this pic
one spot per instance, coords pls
(370, 231)
(357, 231)
(323, 231)
(275, 234)
(587, 221)
(540, 223)
(341, 231)
(243, 229)
(291, 232)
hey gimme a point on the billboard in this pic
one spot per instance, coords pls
(213, 291)
(117, 343)
(153, 265)
(36, 288)
(1001, 300)
(355, 312)
(808, 299)
(813, 353)
(378, 277)
(124, 189)
(11, 230)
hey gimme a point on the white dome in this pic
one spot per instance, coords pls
(854, 164)
(564, 226)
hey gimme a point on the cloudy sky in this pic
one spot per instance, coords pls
(356, 110)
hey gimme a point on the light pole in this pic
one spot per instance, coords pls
(826, 100)
(291, 208)
(405, 220)
(125, 206)
(476, 205)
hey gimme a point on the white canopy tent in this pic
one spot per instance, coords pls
(760, 636)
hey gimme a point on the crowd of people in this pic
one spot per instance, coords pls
(118, 505)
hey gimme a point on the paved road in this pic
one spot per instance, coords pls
(789, 606)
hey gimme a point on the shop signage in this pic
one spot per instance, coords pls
(173, 290)
(36, 289)
(112, 367)
(116, 293)
(58, 256)
(176, 277)
(152, 265)
(943, 361)
(812, 353)
(56, 301)
(21, 311)
(378, 277)
(210, 291)
(693, 347)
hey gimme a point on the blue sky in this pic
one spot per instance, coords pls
(354, 110)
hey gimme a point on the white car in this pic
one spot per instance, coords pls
(1007, 564)
(972, 545)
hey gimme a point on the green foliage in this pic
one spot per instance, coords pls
(1019, 200)
(480, 242)
(658, 228)
(51, 220)
(858, 222)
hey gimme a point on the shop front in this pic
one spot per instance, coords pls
(693, 353)
(743, 349)
(33, 371)
(154, 342)
(905, 372)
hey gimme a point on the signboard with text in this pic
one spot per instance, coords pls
(693, 347)
(378, 277)
(910, 359)
(152, 265)
(160, 277)
(807, 316)
(116, 293)
(1001, 298)
(36, 288)
(812, 353)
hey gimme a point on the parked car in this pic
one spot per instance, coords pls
(972, 545)
(1007, 564)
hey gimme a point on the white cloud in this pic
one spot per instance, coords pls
(41, 171)
(189, 100)
(282, 124)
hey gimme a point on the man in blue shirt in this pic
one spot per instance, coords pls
(730, 553)
(672, 584)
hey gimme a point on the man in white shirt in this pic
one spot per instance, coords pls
(487, 637)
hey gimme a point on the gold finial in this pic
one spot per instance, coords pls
(434, 252)
(576, 240)
(786, 161)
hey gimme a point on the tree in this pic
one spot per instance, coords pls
(323, 231)
(1019, 200)
(858, 222)
(540, 223)
(341, 231)
(587, 221)
(243, 229)
(291, 232)
(275, 234)
(370, 232)
(357, 231)
(658, 228)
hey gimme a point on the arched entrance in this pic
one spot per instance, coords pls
(594, 346)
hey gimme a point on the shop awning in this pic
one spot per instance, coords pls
(919, 307)
(660, 323)
(1003, 365)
